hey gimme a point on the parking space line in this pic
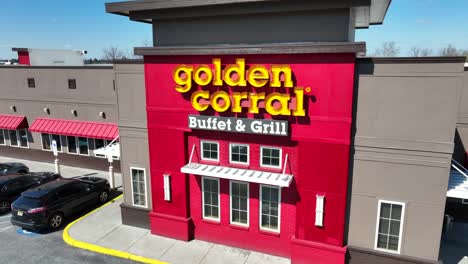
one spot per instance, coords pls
(6, 228)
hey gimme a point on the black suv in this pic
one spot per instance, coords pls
(47, 205)
(13, 168)
(12, 186)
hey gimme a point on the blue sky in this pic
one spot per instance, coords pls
(84, 25)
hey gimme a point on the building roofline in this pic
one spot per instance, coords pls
(436, 59)
(367, 12)
(20, 49)
(92, 66)
(278, 48)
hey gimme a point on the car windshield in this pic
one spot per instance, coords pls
(29, 202)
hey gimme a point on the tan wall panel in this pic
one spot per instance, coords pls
(407, 108)
(131, 96)
(136, 154)
(422, 229)
(408, 182)
(94, 85)
(362, 221)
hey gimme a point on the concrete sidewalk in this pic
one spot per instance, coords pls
(104, 228)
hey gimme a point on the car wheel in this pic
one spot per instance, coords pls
(103, 196)
(22, 172)
(56, 221)
(4, 206)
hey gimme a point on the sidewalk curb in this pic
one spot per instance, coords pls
(99, 249)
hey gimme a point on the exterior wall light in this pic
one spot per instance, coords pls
(46, 110)
(74, 112)
(167, 187)
(13, 108)
(319, 210)
(102, 114)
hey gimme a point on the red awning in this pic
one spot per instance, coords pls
(75, 128)
(12, 122)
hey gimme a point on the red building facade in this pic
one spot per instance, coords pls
(225, 187)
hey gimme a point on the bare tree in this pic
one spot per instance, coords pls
(426, 52)
(388, 49)
(450, 50)
(113, 53)
(416, 51)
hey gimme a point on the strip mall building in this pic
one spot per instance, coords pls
(256, 124)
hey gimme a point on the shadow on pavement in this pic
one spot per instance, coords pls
(454, 243)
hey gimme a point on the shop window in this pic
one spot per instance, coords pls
(47, 141)
(18, 138)
(58, 141)
(71, 83)
(78, 145)
(99, 143)
(239, 203)
(2, 137)
(210, 192)
(239, 153)
(13, 138)
(389, 226)
(31, 83)
(71, 142)
(46, 144)
(23, 138)
(83, 147)
(270, 200)
(270, 157)
(210, 150)
(138, 186)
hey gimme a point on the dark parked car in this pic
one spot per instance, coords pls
(12, 186)
(13, 168)
(48, 205)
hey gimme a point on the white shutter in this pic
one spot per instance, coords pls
(167, 187)
(319, 210)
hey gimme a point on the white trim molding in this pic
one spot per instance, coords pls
(230, 203)
(271, 166)
(400, 232)
(144, 182)
(203, 199)
(201, 150)
(260, 209)
(240, 145)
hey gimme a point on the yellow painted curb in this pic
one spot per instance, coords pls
(95, 248)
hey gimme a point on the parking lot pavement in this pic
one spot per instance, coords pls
(65, 171)
(49, 248)
(5, 223)
(104, 228)
(20, 246)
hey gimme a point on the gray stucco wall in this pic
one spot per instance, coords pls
(94, 93)
(461, 139)
(406, 114)
(131, 97)
(331, 25)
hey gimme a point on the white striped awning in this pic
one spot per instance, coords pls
(270, 178)
(457, 185)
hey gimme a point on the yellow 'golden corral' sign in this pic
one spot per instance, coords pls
(236, 75)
